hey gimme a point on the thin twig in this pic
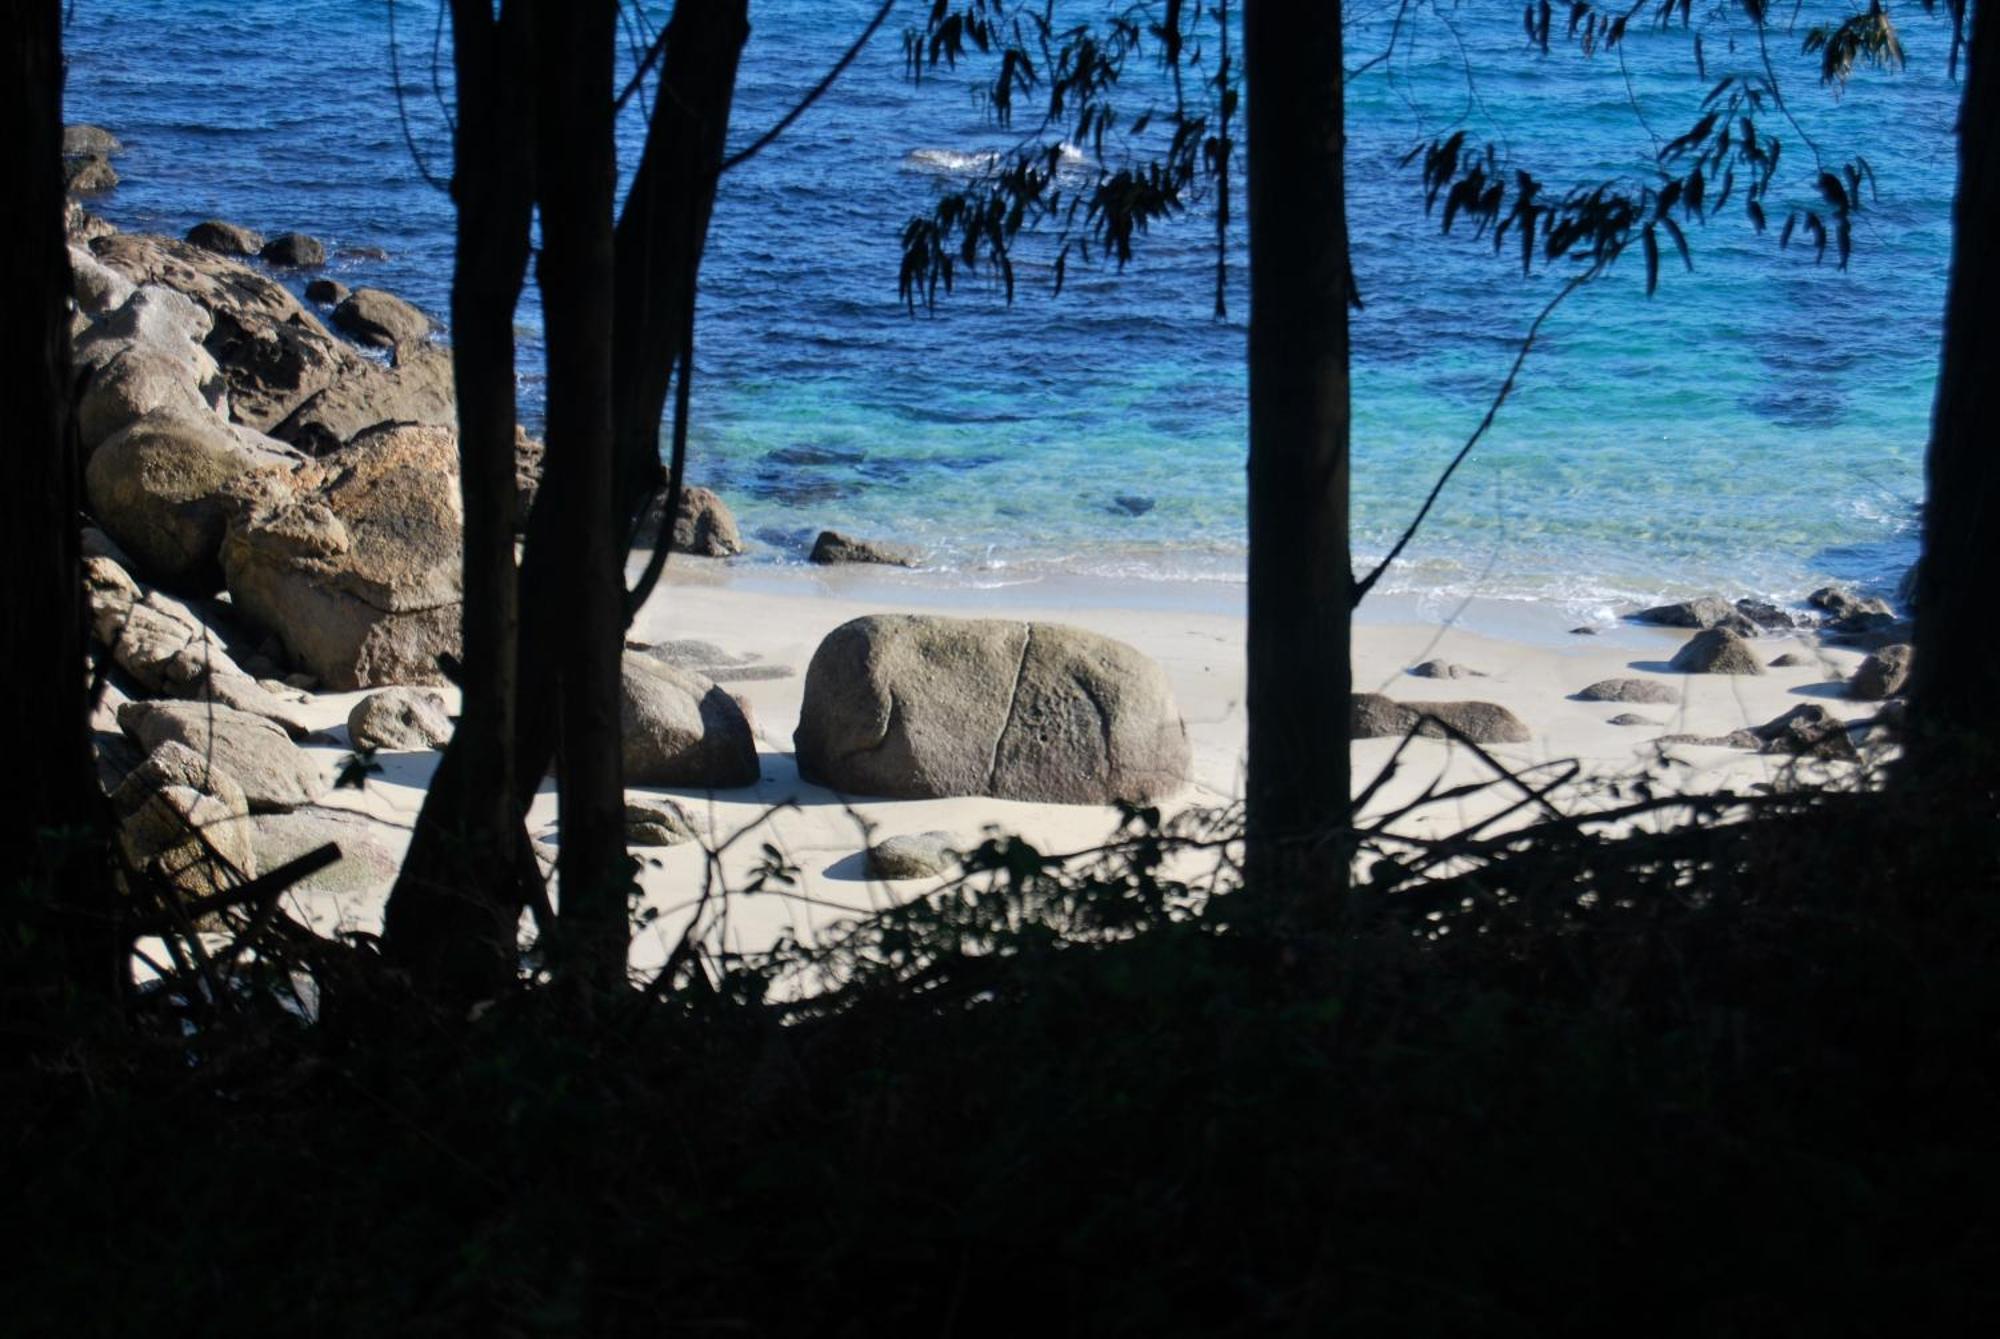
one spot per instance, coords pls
(1367, 583)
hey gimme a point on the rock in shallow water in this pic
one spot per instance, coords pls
(833, 547)
(225, 239)
(917, 707)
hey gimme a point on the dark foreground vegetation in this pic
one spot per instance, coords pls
(1745, 1086)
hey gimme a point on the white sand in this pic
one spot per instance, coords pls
(1531, 661)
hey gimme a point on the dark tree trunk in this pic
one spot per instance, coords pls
(60, 945)
(1300, 576)
(577, 177)
(659, 242)
(453, 920)
(1955, 687)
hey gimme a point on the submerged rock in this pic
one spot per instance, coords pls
(833, 547)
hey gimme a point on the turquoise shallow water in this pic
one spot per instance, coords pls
(1757, 427)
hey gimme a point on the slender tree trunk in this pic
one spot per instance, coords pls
(1954, 735)
(453, 919)
(577, 175)
(58, 944)
(1300, 574)
(659, 242)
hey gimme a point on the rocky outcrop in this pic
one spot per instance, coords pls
(168, 650)
(81, 139)
(293, 250)
(381, 319)
(655, 820)
(1883, 675)
(216, 283)
(225, 239)
(273, 772)
(919, 707)
(88, 173)
(1373, 716)
(418, 389)
(185, 822)
(833, 547)
(400, 718)
(167, 487)
(147, 354)
(1644, 691)
(1716, 651)
(358, 574)
(680, 729)
(920, 855)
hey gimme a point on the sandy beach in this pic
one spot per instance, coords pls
(769, 620)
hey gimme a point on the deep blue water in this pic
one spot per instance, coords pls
(1758, 426)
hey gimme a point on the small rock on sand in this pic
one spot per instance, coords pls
(1445, 669)
(921, 855)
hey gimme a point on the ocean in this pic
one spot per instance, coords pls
(1757, 427)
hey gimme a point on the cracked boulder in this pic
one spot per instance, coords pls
(680, 729)
(920, 707)
(167, 486)
(358, 575)
(274, 773)
(185, 822)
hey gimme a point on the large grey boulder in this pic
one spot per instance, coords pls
(912, 706)
(358, 575)
(137, 382)
(1716, 651)
(400, 718)
(185, 821)
(1883, 675)
(381, 319)
(366, 864)
(166, 487)
(1629, 690)
(680, 729)
(274, 773)
(225, 239)
(1373, 716)
(146, 354)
